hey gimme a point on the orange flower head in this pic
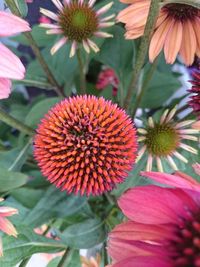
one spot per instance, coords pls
(86, 144)
(177, 29)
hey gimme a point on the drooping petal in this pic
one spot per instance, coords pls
(5, 88)
(173, 42)
(158, 39)
(143, 261)
(11, 24)
(10, 65)
(177, 180)
(139, 203)
(7, 227)
(7, 211)
(196, 168)
(189, 43)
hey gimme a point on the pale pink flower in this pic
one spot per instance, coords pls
(78, 22)
(10, 65)
(164, 224)
(5, 225)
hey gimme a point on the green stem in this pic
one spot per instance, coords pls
(13, 7)
(64, 258)
(8, 119)
(144, 86)
(151, 20)
(82, 72)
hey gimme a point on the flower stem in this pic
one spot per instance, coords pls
(13, 7)
(82, 72)
(64, 258)
(8, 119)
(151, 20)
(144, 86)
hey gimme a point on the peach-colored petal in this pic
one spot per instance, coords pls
(11, 24)
(173, 42)
(7, 227)
(10, 65)
(189, 43)
(196, 27)
(158, 39)
(134, 12)
(5, 88)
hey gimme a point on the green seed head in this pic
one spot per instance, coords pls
(78, 22)
(161, 140)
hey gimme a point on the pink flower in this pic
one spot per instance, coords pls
(10, 65)
(107, 77)
(5, 225)
(164, 224)
(43, 19)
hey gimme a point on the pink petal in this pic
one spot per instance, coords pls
(196, 168)
(139, 203)
(7, 227)
(7, 211)
(138, 231)
(10, 65)
(11, 25)
(179, 180)
(5, 85)
(143, 261)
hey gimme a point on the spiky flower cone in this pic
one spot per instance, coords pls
(86, 144)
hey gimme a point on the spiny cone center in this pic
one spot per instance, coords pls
(181, 12)
(186, 248)
(161, 140)
(78, 22)
(85, 144)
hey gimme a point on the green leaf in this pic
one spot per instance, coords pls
(73, 260)
(26, 244)
(132, 179)
(22, 6)
(15, 158)
(11, 180)
(160, 88)
(54, 204)
(84, 235)
(117, 52)
(39, 110)
(27, 197)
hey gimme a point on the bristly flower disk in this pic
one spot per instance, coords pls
(162, 140)
(78, 22)
(195, 90)
(86, 144)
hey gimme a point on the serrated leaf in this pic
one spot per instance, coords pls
(85, 234)
(26, 244)
(54, 204)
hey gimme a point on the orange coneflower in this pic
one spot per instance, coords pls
(162, 140)
(78, 22)
(86, 144)
(177, 29)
